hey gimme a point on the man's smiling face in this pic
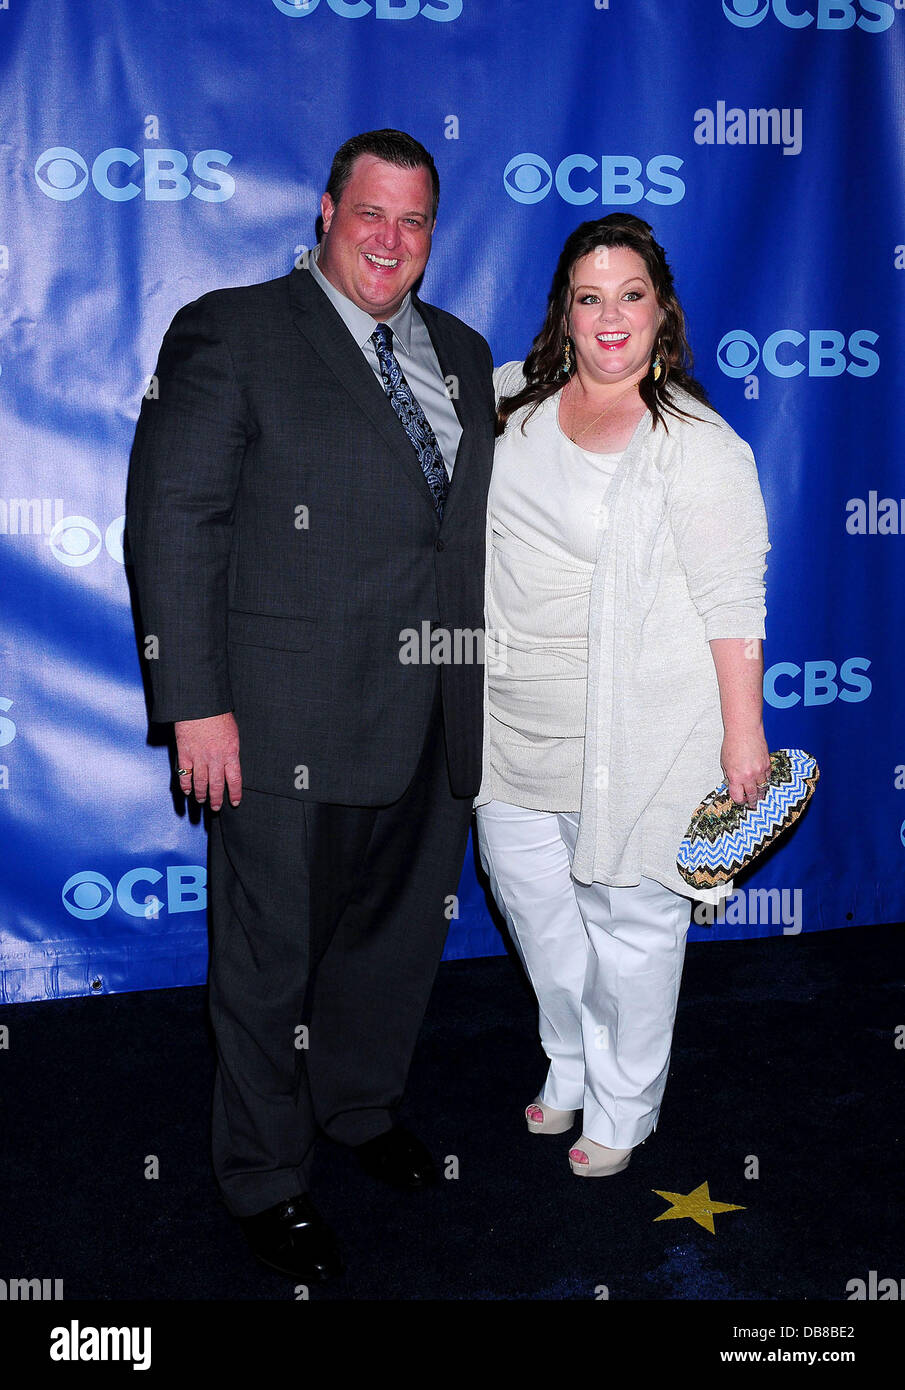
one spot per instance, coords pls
(377, 236)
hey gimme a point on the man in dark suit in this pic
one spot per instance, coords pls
(307, 490)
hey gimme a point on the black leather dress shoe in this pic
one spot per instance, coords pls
(397, 1158)
(293, 1237)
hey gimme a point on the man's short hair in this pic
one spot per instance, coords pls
(392, 146)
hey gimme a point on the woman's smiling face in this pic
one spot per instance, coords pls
(614, 315)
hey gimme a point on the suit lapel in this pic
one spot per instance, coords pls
(320, 324)
(466, 390)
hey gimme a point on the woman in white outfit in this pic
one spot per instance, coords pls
(625, 612)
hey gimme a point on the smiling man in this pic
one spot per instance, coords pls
(378, 221)
(310, 484)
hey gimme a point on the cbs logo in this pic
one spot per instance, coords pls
(828, 353)
(88, 895)
(579, 179)
(77, 540)
(62, 174)
(440, 10)
(818, 684)
(7, 726)
(871, 15)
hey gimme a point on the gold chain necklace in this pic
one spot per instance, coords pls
(575, 437)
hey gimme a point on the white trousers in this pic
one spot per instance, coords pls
(605, 963)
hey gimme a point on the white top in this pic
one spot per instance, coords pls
(547, 507)
(681, 561)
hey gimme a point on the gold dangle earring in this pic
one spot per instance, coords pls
(566, 367)
(657, 365)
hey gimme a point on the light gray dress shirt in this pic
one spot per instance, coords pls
(414, 352)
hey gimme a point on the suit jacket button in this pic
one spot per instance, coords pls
(441, 545)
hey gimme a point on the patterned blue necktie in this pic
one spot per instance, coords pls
(414, 421)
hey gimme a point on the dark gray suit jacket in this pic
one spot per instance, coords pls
(283, 536)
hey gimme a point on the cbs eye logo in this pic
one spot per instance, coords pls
(580, 178)
(787, 353)
(746, 13)
(77, 540)
(62, 174)
(527, 178)
(7, 726)
(871, 15)
(87, 895)
(440, 10)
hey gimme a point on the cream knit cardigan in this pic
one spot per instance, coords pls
(681, 560)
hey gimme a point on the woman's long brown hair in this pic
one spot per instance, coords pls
(544, 375)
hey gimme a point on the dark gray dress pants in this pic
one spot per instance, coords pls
(327, 928)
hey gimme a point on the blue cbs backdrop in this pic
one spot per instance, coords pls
(152, 152)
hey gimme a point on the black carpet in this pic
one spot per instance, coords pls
(785, 1065)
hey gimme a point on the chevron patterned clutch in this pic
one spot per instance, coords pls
(724, 837)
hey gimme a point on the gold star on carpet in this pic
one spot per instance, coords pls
(697, 1205)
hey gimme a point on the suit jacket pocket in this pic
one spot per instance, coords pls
(268, 630)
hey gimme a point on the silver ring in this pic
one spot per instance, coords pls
(182, 772)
